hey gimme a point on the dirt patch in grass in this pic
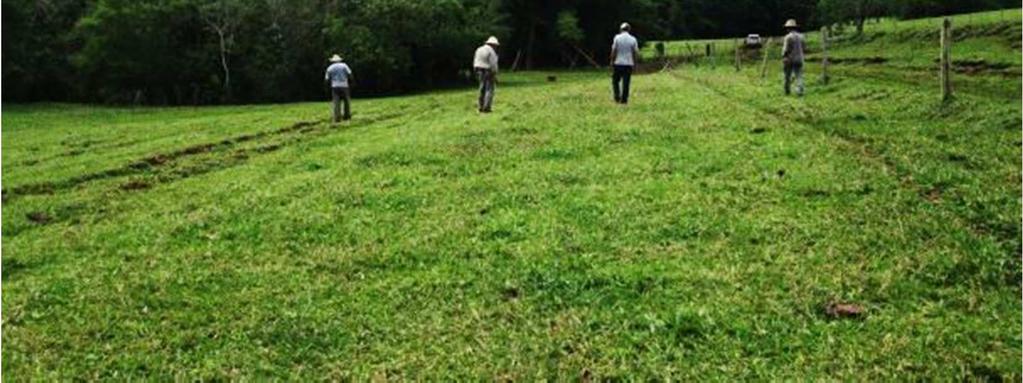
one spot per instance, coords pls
(135, 185)
(933, 195)
(192, 150)
(837, 310)
(973, 68)
(39, 217)
(268, 148)
(510, 293)
(154, 161)
(246, 138)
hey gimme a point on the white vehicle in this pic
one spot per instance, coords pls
(754, 41)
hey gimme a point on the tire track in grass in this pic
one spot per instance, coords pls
(142, 165)
(176, 166)
(99, 205)
(160, 160)
(861, 147)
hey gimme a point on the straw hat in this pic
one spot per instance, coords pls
(493, 41)
(625, 27)
(791, 24)
(336, 59)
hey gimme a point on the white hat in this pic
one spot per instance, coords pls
(493, 41)
(336, 59)
(625, 26)
(791, 24)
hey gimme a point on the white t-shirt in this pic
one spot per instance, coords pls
(625, 48)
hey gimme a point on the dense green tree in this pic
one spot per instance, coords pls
(216, 51)
(853, 11)
(909, 9)
(143, 51)
(36, 49)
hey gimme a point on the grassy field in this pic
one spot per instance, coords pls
(986, 43)
(705, 231)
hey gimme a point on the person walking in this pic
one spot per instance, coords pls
(624, 55)
(485, 63)
(339, 75)
(792, 55)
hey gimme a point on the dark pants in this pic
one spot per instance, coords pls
(794, 74)
(488, 84)
(345, 95)
(620, 82)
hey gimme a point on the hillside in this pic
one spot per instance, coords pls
(711, 229)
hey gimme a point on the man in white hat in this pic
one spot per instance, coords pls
(485, 64)
(624, 55)
(340, 75)
(792, 56)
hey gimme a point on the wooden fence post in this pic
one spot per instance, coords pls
(738, 57)
(713, 48)
(946, 60)
(824, 61)
(767, 54)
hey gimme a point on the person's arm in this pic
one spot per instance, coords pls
(351, 76)
(635, 53)
(494, 62)
(785, 49)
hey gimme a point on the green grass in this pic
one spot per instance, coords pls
(698, 233)
(992, 37)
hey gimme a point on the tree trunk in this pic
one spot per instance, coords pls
(587, 56)
(224, 64)
(515, 65)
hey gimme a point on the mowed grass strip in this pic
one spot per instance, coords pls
(702, 231)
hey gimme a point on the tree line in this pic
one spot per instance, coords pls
(243, 51)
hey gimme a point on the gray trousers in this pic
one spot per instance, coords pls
(794, 73)
(488, 84)
(342, 95)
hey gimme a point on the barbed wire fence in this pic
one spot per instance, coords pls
(889, 49)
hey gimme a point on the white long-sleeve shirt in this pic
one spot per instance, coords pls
(486, 58)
